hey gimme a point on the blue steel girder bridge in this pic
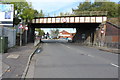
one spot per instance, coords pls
(84, 25)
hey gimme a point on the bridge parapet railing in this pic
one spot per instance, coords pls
(91, 13)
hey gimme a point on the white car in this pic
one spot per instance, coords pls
(69, 40)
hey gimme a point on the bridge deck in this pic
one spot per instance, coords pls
(69, 19)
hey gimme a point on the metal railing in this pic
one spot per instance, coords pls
(91, 13)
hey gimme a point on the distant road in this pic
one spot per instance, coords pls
(59, 59)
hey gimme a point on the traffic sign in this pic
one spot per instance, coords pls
(102, 31)
(64, 20)
(26, 28)
(21, 26)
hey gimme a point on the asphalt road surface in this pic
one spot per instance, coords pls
(59, 59)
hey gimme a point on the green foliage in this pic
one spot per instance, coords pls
(84, 6)
(40, 14)
(41, 32)
(54, 33)
(65, 14)
(24, 11)
(16, 21)
(110, 7)
(36, 13)
(27, 14)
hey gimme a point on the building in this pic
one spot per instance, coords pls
(108, 35)
(64, 34)
(112, 35)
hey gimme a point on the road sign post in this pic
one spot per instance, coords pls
(20, 37)
(1, 39)
(21, 27)
(1, 44)
(26, 29)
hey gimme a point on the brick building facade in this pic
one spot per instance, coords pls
(65, 34)
(110, 37)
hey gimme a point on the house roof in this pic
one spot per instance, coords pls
(64, 32)
(114, 21)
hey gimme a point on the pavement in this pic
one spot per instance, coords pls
(112, 50)
(107, 49)
(15, 63)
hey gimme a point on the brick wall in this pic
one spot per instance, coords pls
(111, 30)
(112, 37)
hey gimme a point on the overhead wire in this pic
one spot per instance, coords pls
(64, 8)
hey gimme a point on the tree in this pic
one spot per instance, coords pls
(110, 7)
(36, 13)
(40, 14)
(48, 15)
(86, 7)
(41, 32)
(24, 11)
(65, 14)
(54, 33)
(28, 16)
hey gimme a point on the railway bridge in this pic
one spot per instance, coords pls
(85, 26)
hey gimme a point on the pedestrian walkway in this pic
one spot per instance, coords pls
(15, 61)
(112, 50)
(4, 68)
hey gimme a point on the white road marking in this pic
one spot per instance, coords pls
(38, 51)
(90, 55)
(114, 65)
(67, 46)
